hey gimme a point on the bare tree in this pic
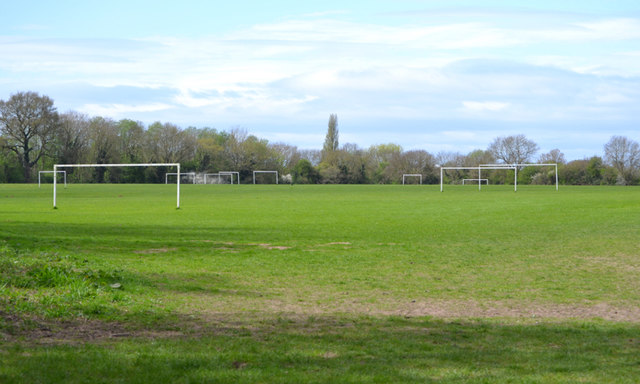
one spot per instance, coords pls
(28, 122)
(103, 141)
(288, 155)
(513, 149)
(73, 137)
(554, 156)
(313, 155)
(624, 155)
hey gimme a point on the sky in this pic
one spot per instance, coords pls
(435, 75)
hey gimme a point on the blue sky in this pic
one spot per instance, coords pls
(434, 75)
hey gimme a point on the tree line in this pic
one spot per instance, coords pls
(34, 136)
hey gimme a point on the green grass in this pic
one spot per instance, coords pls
(319, 284)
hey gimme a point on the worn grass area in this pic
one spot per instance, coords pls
(312, 283)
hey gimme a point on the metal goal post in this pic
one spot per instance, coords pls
(254, 175)
(56, 166)
(522, 165)
(479, 168)
(405, 175)
(223, 173)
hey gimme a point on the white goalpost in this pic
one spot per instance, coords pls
(500, 166)
(516, 166)
(223, 173)
(192, 174)
(56, 166)
(254, 175)
(55, 175)
(232, 173)
(405, 175)
(479, 168)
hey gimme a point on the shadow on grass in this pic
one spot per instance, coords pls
(339, 349)
(108, 238)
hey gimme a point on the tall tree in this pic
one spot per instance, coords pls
(28, 121)
(104, 148)
(624, 155)
(331, 140)
(72, 140)
(513, 149)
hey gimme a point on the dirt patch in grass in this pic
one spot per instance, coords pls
(311, 304)
(269, 246)
(154, 250)
(53, 331)
(493, 309)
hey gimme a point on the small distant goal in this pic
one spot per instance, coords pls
(218, 176)
(261, 172)
(412, 175)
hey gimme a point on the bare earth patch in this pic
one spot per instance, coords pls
(269, 246)
(472, 309)
(154, 250)
(309, 304)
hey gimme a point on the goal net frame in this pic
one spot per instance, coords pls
(56, 166)
(237, 174)
(223, 173)
(55, 176)
(522, 165)
(404, 175)
(192, 174)
(254, 175)
(479, 168)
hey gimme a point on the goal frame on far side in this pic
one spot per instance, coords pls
(404, 175)
(56, 166)
(254, 175)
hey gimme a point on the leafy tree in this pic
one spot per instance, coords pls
(477, 157)
(210, 150)
(331, 140)
(304, 173)
(513, 149)
(380, 157)
(624, 155)
(28, 122)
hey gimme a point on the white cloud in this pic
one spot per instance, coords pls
(119, 110)
(481, 106)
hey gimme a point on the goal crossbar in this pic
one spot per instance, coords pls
(522, 165)
(479, 168)
(55, 173)
(231, 173)
(254, 175)
(56, 166)
(405, 175)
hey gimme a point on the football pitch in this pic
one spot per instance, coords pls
(319, 283)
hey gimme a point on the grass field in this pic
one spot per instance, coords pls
(328, 283)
